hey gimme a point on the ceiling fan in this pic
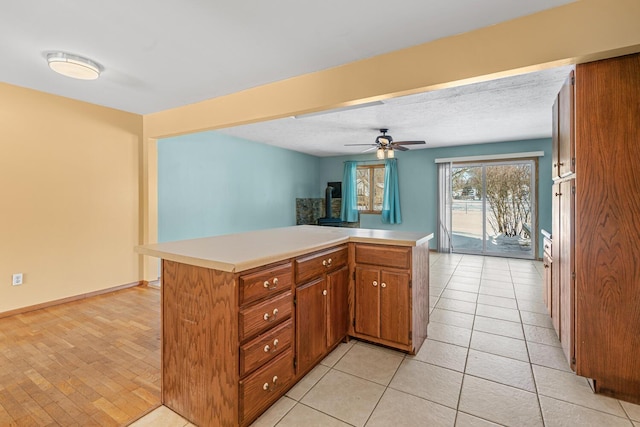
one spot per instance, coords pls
(385, 145)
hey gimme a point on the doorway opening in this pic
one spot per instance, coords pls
(493, 208)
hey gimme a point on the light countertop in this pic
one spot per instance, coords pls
(243, 251)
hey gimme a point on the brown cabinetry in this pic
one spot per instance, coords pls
(384, 293)
(227, 341)
(547, 261)
(382, 304)
(235, 342)
(596, 234)
(321, 305)
(563, 141)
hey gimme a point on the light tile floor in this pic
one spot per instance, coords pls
(492, 358)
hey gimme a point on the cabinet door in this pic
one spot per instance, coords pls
(546, 291)
(566, 140)
(367, 301)
(555, 143)
(395, 307)
(311, 323)
(557, 250)
(566, 270)
(338, 308)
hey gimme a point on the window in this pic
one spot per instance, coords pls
(370, 188)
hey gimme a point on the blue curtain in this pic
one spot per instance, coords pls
(391, 197)
(349, 208)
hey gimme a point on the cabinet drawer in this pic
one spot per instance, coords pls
(260, 317)
(315, 265)
(548, 248)
(265, 347)
(266, 385)
(384, 256)
(264, 283)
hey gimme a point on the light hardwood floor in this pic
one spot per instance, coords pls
(89, 362)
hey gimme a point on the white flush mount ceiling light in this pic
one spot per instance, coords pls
(73, 66)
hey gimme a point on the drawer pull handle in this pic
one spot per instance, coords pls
(267, 348)
(270, 318)
(267, 285)
(324, 262)
(384, 285)
(324, 292)
(329, 261)
(266, 387)
(375, 283)
(275, 343)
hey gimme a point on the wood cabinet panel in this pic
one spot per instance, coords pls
(338, 308)
(265, 283)
(566, 139)
(555, 142)
(199, 312)
(367, 301)
(260, 317)
(384, 256)
(566, 270)
(319, 263)
(311, 323)
(395, 306)
(265, 386)
(555, 260)
(608, 225)
(265, 347)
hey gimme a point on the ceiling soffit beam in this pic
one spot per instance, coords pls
(578, 32)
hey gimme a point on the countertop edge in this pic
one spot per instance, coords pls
(258, 262)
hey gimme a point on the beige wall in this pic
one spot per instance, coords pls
(69, 197)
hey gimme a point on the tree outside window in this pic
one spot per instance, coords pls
(370, 188)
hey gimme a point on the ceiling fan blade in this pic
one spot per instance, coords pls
(359, 144)
(400, 148)
(408, 142)
(369, 149)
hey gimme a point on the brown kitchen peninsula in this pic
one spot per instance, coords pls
(245, 316)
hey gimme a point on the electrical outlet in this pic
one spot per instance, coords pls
(17, 279)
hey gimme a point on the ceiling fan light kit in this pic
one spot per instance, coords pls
(386, 146)
(73, 66)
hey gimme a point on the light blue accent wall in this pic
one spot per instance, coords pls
(211, 184)
(418, 179)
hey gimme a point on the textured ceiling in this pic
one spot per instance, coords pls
(508, 109)
(161, 54)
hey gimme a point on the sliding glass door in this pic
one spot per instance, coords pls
(492, 210)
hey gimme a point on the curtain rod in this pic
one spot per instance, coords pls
(365, 161)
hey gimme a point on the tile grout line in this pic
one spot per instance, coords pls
(526, 344)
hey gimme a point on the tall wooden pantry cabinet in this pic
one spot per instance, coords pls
(596, 223)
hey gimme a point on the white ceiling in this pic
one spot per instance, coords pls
(161, 54)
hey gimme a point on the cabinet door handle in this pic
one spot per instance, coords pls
(561, 164)
(558, 194)
(375, 283)
(324, 292)
(384, 285)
